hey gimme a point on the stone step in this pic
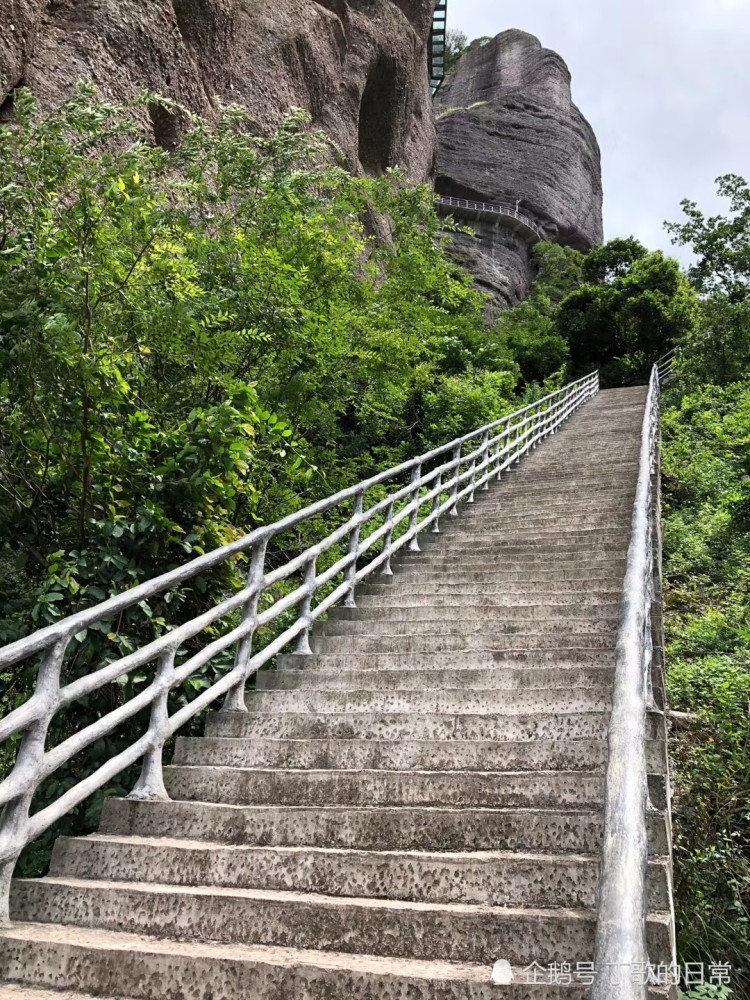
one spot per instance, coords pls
(455, 603)
(18, 991)
(405, 755)
(480, 612)
(65, 957)
(611, 573)
(489, 878)
(492, 678)
(495, 591)
(450, 701)
(528, 537)
(581, 618)
(585, 539)
(251, 786)
(536, 493)
(460, 544)
(507, 639)
(488, 514)
(411, 726)
(380, 828)
(516, 550)
(391, 928)
(488, 626)
(468, 659)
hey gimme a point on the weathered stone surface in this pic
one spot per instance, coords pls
(508, 133)
(360, 68)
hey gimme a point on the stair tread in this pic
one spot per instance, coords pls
(84, 938)
(19, 991)
(207, 846)
(320, 899)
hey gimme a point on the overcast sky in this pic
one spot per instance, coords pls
(665, 84)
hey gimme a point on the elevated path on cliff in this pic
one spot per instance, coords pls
(505, 215)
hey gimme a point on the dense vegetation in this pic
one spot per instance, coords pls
(197, 340)
(707, 550)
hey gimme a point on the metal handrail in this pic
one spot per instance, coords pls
(493, 208)
(665, 365)
(456, 472)
(621, 946)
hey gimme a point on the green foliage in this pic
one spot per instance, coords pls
(707, 544)
(640, 306)
(187, 340)
(707, 547)
(618, 308)
(707, 992)
(719, 242)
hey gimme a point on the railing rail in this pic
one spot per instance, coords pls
(664, 365)
(621, 956)
(420, 491)
(490, 208)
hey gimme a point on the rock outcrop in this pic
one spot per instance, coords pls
(358, 66)
(509, 133)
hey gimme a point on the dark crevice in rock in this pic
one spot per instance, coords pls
(168, 126)
(8, 105)
(378, 117)
(265, 55)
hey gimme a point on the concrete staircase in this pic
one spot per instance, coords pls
(418, 799)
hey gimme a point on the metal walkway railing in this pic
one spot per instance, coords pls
(522, 223)
(403, 502)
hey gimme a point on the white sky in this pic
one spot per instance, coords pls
(665, 84)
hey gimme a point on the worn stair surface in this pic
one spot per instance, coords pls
(418, 799)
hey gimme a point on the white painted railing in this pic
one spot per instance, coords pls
(490, 208)
(621, 959)
(418, 493)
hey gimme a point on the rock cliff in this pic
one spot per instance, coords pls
(359, 66)
(508, 132)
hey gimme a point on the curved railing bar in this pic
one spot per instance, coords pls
(492, 208)
(665, 363)
(621, 947)
(459, 472)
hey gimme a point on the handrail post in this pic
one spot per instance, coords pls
(519, 426)
(473, 480)
(388, 541)
(456, 460)
(303, 647)
(486, 460)
(14, 817)
(416, 481)
(351, 572)
(235, 699)
(150, 785)
(436, 504)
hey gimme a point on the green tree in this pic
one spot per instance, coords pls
(193, 341)
(720, 347)
(707, 554)
(640, 306)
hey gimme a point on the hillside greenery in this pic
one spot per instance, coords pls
(707, 561)
(196, 341)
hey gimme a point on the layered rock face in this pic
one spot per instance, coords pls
(358, 66)
(509, 133)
